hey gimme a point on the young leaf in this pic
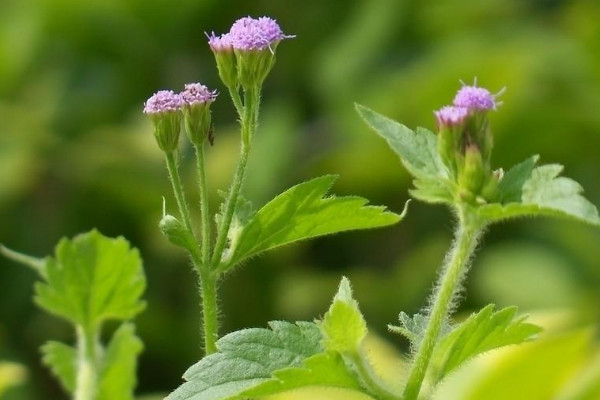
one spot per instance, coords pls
(260, 362)
(542, 192)
(484, 331)
(62, 361)
(419, 154)
(92, 278)
(344, 327)
(411, 328)
(304, 212)
(118, 378)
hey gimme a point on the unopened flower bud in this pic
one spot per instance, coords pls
(164, 108)
(197, 99)
(222, 48)
(472, 173)
(254, 41)
(450, 121)
(176, 232)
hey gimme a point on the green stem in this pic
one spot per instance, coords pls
(87, 364)
(237, 100)
(251, 98)
(208, 280)
(171, 158)
(204, 207)
(210, 310)
(467, 235)
(375, 386)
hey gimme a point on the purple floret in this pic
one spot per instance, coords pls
(196, 93)
(451, 115)
(255, 34)
(475, 98)
(163, 101)
(219, 43)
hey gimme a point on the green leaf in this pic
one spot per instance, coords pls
(62, 361)
(419, 154)
(303, 212)
(540, 370)
(510, 187)
(118, 375)
(343, 326)
(544, 192)
(92, 278)
(484, 331)
(412, 328)
(260, 362)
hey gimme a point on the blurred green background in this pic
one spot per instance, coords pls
(77, 153)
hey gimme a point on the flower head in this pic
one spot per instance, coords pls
(197, 93)
(163, 101)
(197, 99)
(255, 33)
(475, 98)
(451, 115)
(219, 43)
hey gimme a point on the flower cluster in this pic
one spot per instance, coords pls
(465, 141)
(245, 54)
(166, 108)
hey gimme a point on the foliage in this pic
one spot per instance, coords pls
(92, 279)
(303, 212)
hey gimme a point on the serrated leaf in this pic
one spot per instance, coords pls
(543, 193)
(481, 332)
(343, 326)
(118, 375)
(261, 362)
(62, 361)
(510, 187)
(303, 212)
(418, 152)
(92, 278)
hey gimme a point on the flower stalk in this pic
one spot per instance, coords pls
(467, 235)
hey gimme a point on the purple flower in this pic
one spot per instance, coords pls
(196, 93)
(475, 98)
(255, 34)
(219, 43)
(163, 101)
(451, 115)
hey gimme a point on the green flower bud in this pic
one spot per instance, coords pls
(196, 110)
(472, 173)
(164, 108)
(222, 48)
(176, 232)
(254, 66)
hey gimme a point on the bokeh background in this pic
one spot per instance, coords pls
(77, 153)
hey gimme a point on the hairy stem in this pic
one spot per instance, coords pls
(87, 364)
(210, 310)
(467, 235)
(251, 100)
(171, 158)
(204, 206)
(237, 101)
(372, 382)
